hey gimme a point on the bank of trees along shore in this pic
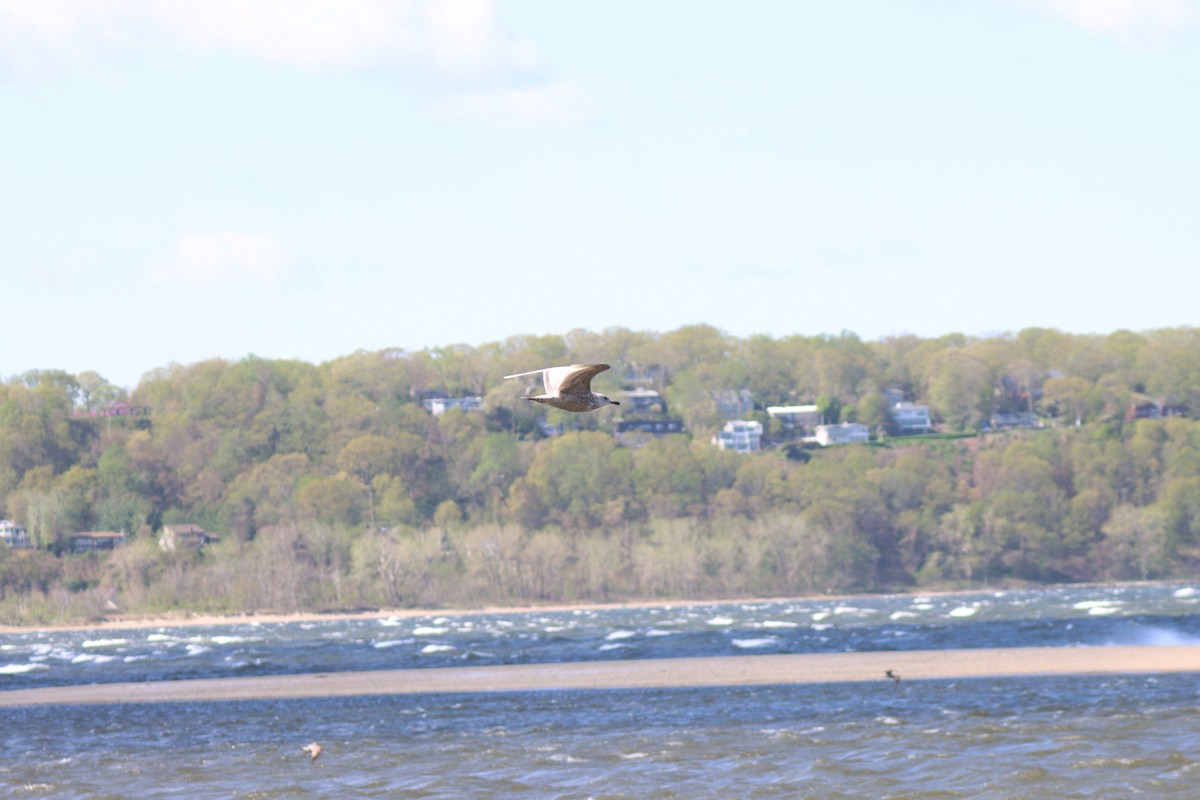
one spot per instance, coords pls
(332, 487)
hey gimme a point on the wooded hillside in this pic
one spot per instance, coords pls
(331, 486)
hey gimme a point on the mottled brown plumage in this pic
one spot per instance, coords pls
(569, 388)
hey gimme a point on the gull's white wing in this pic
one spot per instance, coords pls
(575, 379)
(550, 376)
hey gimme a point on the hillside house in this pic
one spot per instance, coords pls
(644, 401)
(1154, 409)
(911, 419)
(1019, 419)
(185, 535)
(549, 430)
(740, 435)
(90, 541)
(114, 410)
(636, 432)
(14, 535)
(796, 418)
(440, 405)
(846, 433)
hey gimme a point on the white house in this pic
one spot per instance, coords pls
(742, 436)
(14, 535)
(440, 405)
(911, 418)
(792, 417)
(845, 433)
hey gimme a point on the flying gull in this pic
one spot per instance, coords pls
(569, 388)
(313, 750)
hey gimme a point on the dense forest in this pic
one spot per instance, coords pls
(332, 487)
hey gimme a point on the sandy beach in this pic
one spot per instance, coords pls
(649, 673)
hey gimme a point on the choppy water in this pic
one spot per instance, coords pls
(982, 738)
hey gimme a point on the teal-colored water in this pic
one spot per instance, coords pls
(1119, 736)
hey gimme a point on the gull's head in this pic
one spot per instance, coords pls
(606, 400)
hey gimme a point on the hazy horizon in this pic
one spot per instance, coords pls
(209, 180)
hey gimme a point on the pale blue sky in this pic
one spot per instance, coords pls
(184, 180)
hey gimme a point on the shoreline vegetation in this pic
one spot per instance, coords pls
(1058, 458)
(813, 668)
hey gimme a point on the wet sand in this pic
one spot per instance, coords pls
(648, 673)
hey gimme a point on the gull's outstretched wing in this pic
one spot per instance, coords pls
(550, 376)
(575, 379)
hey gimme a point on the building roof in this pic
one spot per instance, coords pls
(792, 410)
(185, 528)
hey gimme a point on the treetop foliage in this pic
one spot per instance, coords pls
(251, 447)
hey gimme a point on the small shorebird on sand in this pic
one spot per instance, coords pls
(569, 388)
(895, 678)
(313, 750)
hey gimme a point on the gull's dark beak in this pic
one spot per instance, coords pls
(614, 402)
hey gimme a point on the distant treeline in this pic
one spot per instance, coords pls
(332, 487)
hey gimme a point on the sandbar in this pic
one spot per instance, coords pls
(914, 665)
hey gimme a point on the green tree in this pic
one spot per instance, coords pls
(336, 498)
(1137, 539)
(960, 389)
(1068, 397)
(874, 411)
(583, 480)
(668, 480)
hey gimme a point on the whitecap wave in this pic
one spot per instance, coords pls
(566, 758)
(438, 648)
(20, 669)
(753, 644)
(428, 630)
(1089, 605)
(964, 611)
(621, 634)
(105, 642)
(386, 643)
(233, 639)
